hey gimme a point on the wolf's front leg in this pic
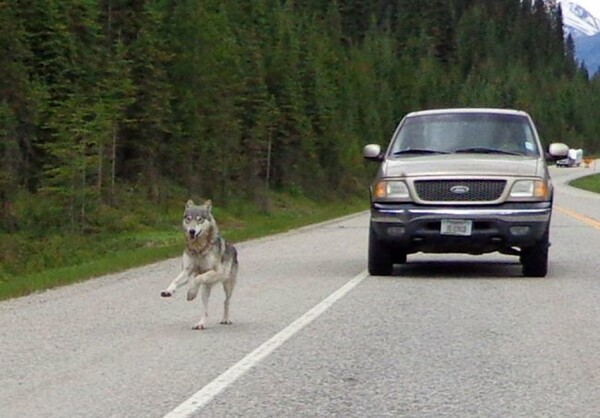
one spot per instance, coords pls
(205, 296)
(204, 278)
(179, 281)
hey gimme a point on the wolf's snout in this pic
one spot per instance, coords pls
(192, 233)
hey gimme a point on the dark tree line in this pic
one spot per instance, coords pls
(230, 99)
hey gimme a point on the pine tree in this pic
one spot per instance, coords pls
(144, 136)
(64, 40)
(17, 105)
(207, 82)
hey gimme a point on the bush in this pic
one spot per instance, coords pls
(39, 214)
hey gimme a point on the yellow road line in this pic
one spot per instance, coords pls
(579, 217)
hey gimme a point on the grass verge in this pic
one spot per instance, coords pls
(238, 223)
(590, 183)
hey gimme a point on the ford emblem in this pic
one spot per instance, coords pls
(459, 189)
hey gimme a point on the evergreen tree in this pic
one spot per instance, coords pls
(228, 99)
(207, 82)
(65, 41)
(145, 135)
(17, 107)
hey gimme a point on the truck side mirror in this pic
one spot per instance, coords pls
(557, 150)
(372, 152)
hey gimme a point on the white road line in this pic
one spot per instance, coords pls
(198, 400)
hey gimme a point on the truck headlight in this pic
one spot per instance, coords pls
(537, 189)
(393, 189)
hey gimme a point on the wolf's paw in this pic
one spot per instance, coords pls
(191, 294)
(198, 327)
(166, 293)
(226, 322)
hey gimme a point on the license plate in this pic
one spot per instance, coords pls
(456, 227)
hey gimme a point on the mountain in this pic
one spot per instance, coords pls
(587, 50)
(581, 19)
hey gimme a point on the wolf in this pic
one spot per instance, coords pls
(207, 259)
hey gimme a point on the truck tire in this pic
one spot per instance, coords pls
(399, 255)
(380, 256)
(534, 259)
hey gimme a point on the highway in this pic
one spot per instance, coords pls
(314, 335)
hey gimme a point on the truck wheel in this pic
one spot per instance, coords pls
(399, 255)
(380, 256)
(534, 259)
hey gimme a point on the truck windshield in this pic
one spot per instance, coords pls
(465, 133)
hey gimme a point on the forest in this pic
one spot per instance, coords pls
(111, 105)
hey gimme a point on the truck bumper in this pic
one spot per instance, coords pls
(418, 228)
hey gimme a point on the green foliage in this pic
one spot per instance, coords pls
(60, 259)
(591, 183)
(108, 107)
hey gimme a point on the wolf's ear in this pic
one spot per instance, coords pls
(189, 204)
(208, 205)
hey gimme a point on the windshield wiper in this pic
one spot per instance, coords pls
(418, 151)
(481, 150)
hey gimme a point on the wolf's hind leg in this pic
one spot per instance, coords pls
(205, 297)
(228, 286)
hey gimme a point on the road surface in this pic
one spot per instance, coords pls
(314, 335)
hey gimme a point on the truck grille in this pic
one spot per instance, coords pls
(459, 190)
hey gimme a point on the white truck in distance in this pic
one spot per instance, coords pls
(574, 158)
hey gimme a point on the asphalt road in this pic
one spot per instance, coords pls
(313, 335)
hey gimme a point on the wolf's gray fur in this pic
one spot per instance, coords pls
(207, 259)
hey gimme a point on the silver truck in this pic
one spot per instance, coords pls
(468, 181)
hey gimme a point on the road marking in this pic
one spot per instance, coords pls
(580, 217)
(198, 400)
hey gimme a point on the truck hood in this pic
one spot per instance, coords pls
(458, 165)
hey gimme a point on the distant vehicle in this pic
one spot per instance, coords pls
(468, 181)
(574, 159)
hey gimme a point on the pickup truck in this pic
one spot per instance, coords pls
(470, 180)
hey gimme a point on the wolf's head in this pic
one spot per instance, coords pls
(197, 219)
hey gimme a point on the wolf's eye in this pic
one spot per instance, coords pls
(200, 219)
(188, 218)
